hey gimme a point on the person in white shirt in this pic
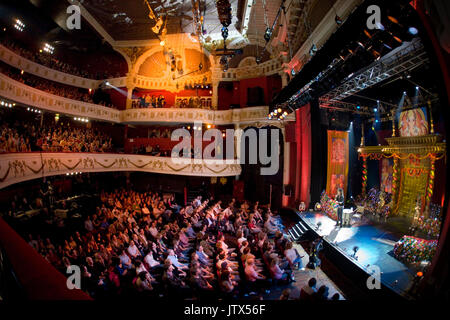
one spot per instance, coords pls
(151, 262)
(174, 260)
(133, 250)
(125, 260)
(293, 256)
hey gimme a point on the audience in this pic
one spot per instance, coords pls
(51, 87)
(51, 62)
(23, 136)
(172, 249)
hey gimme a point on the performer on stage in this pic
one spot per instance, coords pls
(340, 200)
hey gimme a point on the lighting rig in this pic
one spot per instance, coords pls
(364, 51)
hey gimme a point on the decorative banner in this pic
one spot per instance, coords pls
(337, 169)
(386, 175)
(413, 123)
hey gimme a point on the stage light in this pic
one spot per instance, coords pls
(162, 43)
(393, 19)
(107, 83)
(375, 109)
(417, 88)
(358, 107)
(48, 48)
(279, 110)
(21, 71)
(19, 25)
(208, 126)
(413, 31)
(404, 92)
(397, 39)
(360, 44)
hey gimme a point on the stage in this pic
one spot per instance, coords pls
(375, 248)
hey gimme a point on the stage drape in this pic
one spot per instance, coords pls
(318, 152)
(303, 140)
(337, 168)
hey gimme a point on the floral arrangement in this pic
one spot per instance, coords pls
(431, 225)
(329, 205)
(412, 250)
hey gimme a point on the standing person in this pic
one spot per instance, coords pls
(340, 200)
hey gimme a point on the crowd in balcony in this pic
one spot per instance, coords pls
(149, 102)
(51, 62)
(146, 245)
(22, 136)
(51, 87)
(152, 101)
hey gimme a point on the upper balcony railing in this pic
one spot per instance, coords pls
(21, 93)
(19, 62)
(26, 95)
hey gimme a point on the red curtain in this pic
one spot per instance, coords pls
(303, 160)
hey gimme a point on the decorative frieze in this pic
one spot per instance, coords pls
(18, 167)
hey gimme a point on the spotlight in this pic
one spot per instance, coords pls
(417, 88)
(358, 107)
(19, 25)
(375, 109)
(404, 92)
(413, 31)
(107, 83)
(162, 43)
(268, 34)
(392, 19)
(48, 48)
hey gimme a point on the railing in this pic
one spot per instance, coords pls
(21, 93)
(15, 60)
(191, 115)
(18, 167)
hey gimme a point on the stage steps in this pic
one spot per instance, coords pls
(298, 230)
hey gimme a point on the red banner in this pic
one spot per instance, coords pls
(337, 169)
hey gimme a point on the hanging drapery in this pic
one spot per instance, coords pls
(338, 156)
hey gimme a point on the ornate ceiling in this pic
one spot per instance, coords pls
(129, 20)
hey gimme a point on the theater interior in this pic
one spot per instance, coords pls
(226, 150)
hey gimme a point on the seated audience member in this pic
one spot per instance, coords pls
(307, 292)
(292, 255)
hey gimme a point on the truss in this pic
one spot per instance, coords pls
(405, 58)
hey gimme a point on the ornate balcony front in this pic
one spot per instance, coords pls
(21, 93)
(19, 167)
(15, 60)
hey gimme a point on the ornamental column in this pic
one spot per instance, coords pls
(129, 97)
(215, 94)
(284, 79)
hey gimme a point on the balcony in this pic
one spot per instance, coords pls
(26, 95)
(15, 60)
(19, 167)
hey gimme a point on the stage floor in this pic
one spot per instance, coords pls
(375, 248)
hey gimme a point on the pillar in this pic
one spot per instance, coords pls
(284, 79)
(215, 95)
(129, 97)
